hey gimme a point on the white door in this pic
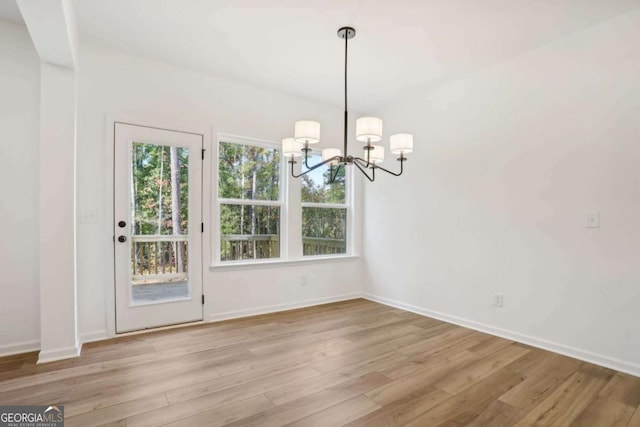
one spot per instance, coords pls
(157, 229)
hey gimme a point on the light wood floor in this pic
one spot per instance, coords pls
(355, 362)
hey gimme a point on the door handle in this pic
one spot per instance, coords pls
(122, 239)
(122, 224)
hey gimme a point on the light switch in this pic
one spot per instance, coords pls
(593, 220)
(88, 216)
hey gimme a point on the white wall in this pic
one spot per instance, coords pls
(57, 214)
(19, 106)
(138, 90)
(507, 164)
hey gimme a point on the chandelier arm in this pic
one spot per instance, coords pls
(402, 160)
(368, 149)
(312, 168)
(369, 153)
(356, 159)
(293, 162)
(306, 150)
(332, 176)
(306, 161)
(364, 172)
(364, 163)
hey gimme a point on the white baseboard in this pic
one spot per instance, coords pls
(217, 317)
(47, 356)
(50, 356)
(20, 347)
(576, 353)
(94, 336)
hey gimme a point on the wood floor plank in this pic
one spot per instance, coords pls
(497, 414)
(470, 403)
(635, 419)
(566, 402)
(401, 387)
(426, 322)
(182, 406)
(117, 412)
(355, 362)
(440, 342)
(484, 367)
(540, 382)
(531, 361)
(371, 318)
(384, 329)
(243, 382)
(293, 341)
(421, 361)
(120, 423)
(302, 354)
(309, 405)
(403, 410)
(490, 346)
(9, 365)
(624, 388)
(226, 414)
(338, 415)
(135, 389)
(312, 385)
(49, 377)
(325, 364)
(375, 338)
(596, 371)
(604, 412)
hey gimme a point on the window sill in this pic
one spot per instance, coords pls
(244, 265)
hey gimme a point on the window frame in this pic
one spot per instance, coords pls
(348, 202)
(218, 201)
(290, 203)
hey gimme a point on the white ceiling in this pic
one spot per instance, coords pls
(9, 11)
(291, 45)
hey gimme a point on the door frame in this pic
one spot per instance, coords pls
(110, 121)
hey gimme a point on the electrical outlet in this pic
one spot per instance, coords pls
(303, 281)
(593, 220)
(498, 299)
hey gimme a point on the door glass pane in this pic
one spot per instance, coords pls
(160, 222)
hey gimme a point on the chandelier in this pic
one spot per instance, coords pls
(368, 129)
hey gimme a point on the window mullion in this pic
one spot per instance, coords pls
(325, 205)
(250, 202)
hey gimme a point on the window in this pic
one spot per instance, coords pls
(249, 200)
(324, 211)
(263, 214)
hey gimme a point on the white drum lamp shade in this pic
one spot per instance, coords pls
(369, 129)
(307, 131)
(376, 155)
(328, 153)
(291, 147)
(401, 143)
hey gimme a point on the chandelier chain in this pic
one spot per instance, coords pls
(346, 111)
